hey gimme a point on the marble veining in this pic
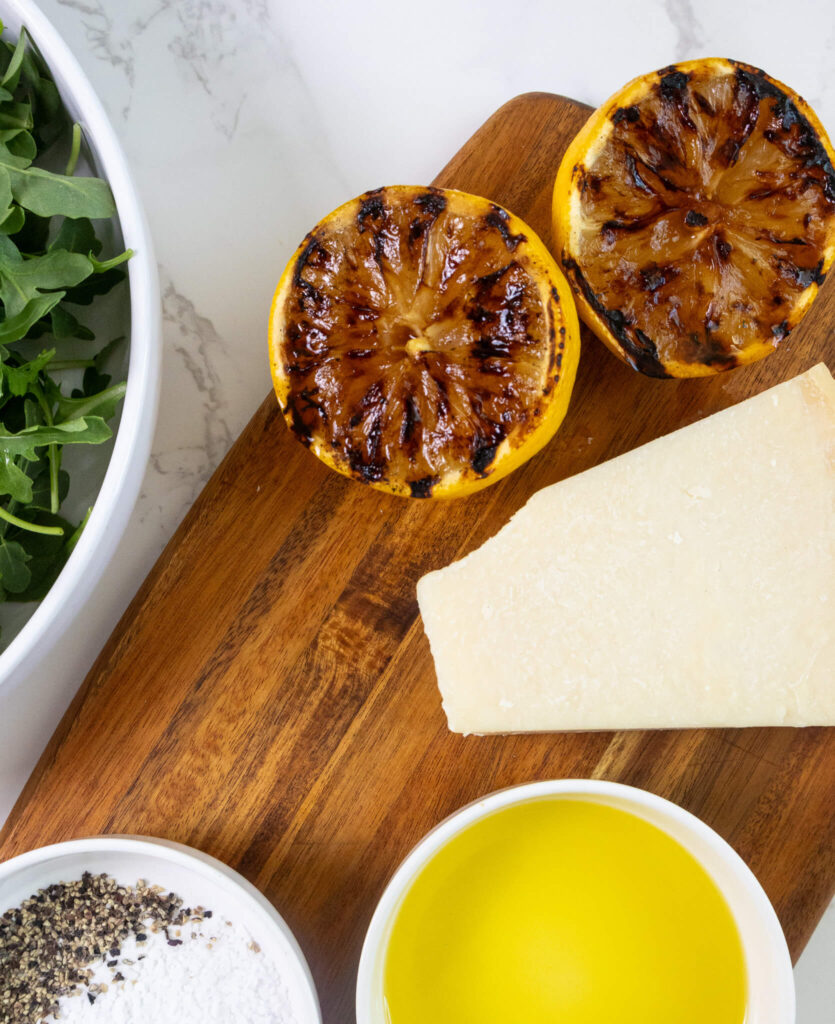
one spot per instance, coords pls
(104, 40)
(202, 39)
(686, 23)
(196, 348)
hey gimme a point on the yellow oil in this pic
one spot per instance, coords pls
(562, 911)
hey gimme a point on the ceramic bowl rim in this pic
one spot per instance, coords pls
(377, 934)
(194, 861)
(119, 489)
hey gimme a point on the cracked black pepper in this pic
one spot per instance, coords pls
(50, 944)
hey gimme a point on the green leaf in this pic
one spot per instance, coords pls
(50, 262)
(13, 222)
(22, 280)
(16, 327)
(34, 234)
(101, 404)
(18, 413)
(42, 489)
(107, 351)
(48, 555)
(76, 235)
(51, 119)
(75, 149)
(32, 412)
(16, 115)
(13, 480)
(14, 573)
(21, 378)
(12, 72)
(61, 324)
(92, 383)
(23, 145)
(94, 380)
(93, 286)
(10, 160)
(102, 266)
(76, 537)
(5, 190)
(84, 430)
(65, 325)
(49, 194)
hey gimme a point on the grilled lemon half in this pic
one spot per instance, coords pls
(695, 217)
(423, 341)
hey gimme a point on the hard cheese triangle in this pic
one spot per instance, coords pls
(690, 582)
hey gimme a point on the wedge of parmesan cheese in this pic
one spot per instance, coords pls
(690, 582)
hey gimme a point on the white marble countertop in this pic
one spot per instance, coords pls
(247, 120)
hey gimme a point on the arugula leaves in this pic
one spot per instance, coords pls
(51, 264)
(50, 195)
(24, 279)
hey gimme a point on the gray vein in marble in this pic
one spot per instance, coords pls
(200, 343)
(140, 24)
(200, 349)
(105, 43)
(206, 36)
(213, 35)
(690, 34)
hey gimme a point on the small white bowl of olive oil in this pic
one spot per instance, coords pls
(576, 901)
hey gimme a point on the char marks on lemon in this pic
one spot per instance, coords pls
(430, 362)
(714, 177)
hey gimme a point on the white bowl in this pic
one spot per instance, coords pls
(770, 980)
(199, 879)
(126, 467)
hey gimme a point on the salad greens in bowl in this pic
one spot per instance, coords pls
(79, 339)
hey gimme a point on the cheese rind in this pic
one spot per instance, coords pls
(690, 582)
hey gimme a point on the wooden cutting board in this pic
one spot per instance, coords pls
(269, 696)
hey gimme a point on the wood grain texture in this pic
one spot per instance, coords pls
(269, 696)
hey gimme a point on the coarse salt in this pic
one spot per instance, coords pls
(217, 975)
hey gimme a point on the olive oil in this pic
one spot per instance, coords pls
(564, 911)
